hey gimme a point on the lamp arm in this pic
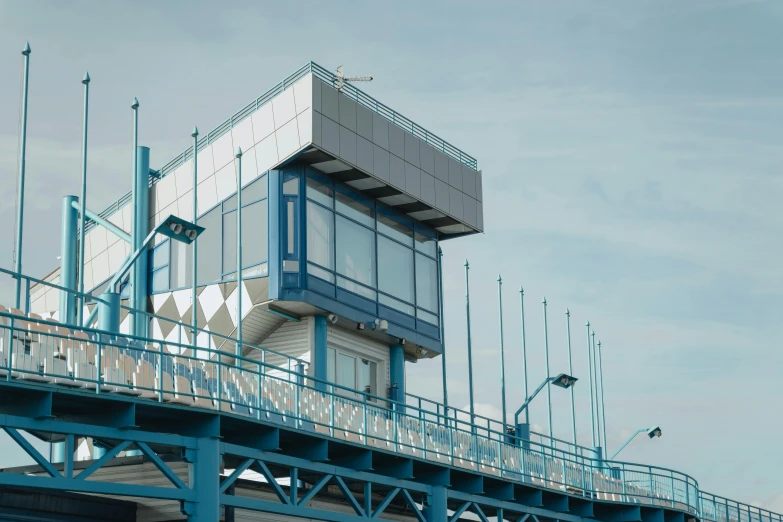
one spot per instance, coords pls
(637, 432)
(129, 262)
(533, 395)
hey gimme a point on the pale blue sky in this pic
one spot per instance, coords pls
(631, 163)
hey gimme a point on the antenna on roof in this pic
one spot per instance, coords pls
(340, 78)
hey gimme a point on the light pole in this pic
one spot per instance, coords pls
(561, 380)
(470, 355)
(571, 371)
(502, 352)
(651, 432)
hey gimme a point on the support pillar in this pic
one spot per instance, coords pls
(205, 480)
(58, 452)
(319, 352)
(68, 261)
(141, 221)
(436, 507)
(109, 312)
(397, 370)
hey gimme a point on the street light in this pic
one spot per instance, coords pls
(651, 432)
(562, 380)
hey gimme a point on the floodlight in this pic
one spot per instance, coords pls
(176, 228)
(192, 234)
(564, 380)
(332, 318)
(654, 432)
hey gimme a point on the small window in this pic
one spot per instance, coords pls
(426, 245)
(291, 222)
(320, 193)
(330, 371)
(346, 371)
(291, 187)
(395, 230)
(355, 210)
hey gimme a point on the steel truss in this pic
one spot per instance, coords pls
(352, 482)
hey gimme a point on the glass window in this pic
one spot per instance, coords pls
(355, 210)
(320, 272)
(181, 264)
(426, 283)
(320, 236)
(426, 316)
(346, 371)
(395, 269)
(426, 244)
(290, 265)
(355, 251)
(255, 191)
(229, 242)
(254, 233)
(367, 376)
(291, 216)
(356, 288)
(159, 281)
(397, 305)
(209, 247)
(291, 187)
(320, 193)
(330, 355)
(159, 256)
(395, 230)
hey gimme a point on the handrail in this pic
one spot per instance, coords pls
(328, 77)
(52, 285)
(720, 509)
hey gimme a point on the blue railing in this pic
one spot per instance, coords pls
(328, 77)
(719, 509)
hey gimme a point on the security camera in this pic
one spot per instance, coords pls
(383, 325)
(360, 326)
(332, 318)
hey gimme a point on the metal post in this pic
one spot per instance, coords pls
(546, 353)
(68, 261)
(435, 509)
(571, 372)
(502, 352)
(239, 251)
(590, 371)
(194, 274)
(20, 198)
(205, 467)
(470, 354)
(109, 313)
(595, 380)
(524, 348)
(83, 199)
(603, 409)
(442, 331)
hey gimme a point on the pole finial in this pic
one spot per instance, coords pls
(500, 279)
(544, 301)
(587, 324)
(521, 290)
(467, 265)
(568, 312)
(599, 343)
(195, 131)
(26, 51)
(239, 152)
(440, 251)
(86, 78)
(135, 104)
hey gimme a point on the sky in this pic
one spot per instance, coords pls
(630, 156)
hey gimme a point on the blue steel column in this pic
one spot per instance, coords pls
(397, 369)
(319, 352)
(470, 354)
(603, 406)
(442, 333)
(590, 371)
(571, 372)
(548, 374)
(524, 349)
(205, 473)
(68, 261)
(194, 275)
(83, 197)
(141, 221)
(239, 251)
(109, 312)
(436, 507)
(20, 198)
(595, 380)
(502, 352)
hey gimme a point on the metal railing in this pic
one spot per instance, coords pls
(720, 509)
(328, 77)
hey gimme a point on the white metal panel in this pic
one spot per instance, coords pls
(347, 112)
(287, 139)
(263, 122)
(223, 151)
(226, 181)
(184, 178)
(303, 94)
(283, 107)
(305, 123)
(242, 135)
(266, 153)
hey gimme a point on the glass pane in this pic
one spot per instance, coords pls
(229, 242)
(355, 251)
(320, 193)
(395, 230)
(254, 233)
(397, 305)
(261, 270)
(367, 376)
(231, 203)
(330, 355)
(320, 236)
(290, 265)
(346, 371)
(291, 187)
(356, 288)
(320, 273)
(210, 247)
(181, 264)
(426, 283)
(255, 191)
(427, 245)
(160, 280)
(395, 269)
(355, 210)
(291, 232)
(159, 256)
(426, 316)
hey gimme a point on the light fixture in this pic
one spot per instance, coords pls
(176, 228)
(192, 234)
(654, 432)
(360, 326)
(332, 318)
(421, 351)
(564, 381)
(383, 325)
(401, 341)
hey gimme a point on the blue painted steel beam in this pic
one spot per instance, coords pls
(288, 509)
(513, 507)
(319, 349)
(94, 486)
(68, 261)
(108, 225)
(397, 370)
